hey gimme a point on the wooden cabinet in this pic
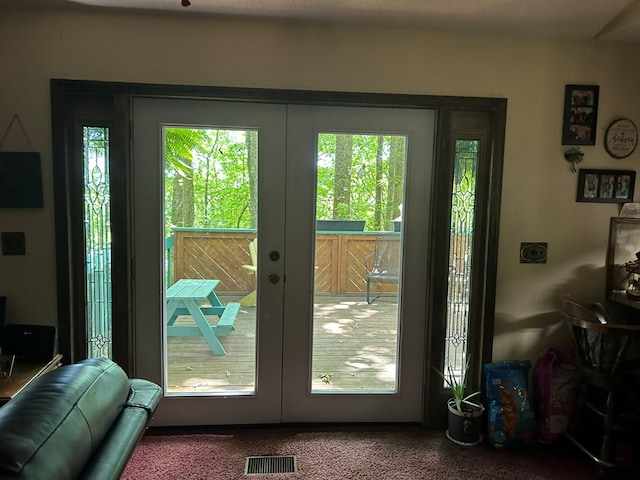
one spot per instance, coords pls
(23, 374)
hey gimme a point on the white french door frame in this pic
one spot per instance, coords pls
(304, 123)
(287, 151)
(149, 117)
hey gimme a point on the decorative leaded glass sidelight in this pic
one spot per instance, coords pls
(97, 237)
(460, 249)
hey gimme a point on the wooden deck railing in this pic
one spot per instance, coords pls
(340, 259)
(220, 254)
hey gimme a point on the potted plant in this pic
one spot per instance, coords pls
(465, 410)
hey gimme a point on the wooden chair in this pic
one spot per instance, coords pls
(609, 386)
(249, 300)
(383, 264)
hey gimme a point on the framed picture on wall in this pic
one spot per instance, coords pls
(20, 180)
(580, 114)
(606, 186)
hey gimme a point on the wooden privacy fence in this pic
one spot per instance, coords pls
(220, 254)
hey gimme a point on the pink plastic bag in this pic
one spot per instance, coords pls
(555, 381)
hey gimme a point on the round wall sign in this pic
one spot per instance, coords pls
(621, 138)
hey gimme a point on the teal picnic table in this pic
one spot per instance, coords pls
(189, 297)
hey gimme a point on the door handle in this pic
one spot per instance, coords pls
(274, 278)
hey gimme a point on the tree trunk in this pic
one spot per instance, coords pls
(378, 194)
(252, 171)
(396, 177)
(342, 177)
(183, 200)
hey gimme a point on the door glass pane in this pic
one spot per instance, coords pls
(210, 212)
(97, 238)
(360, 185)
(460, 249)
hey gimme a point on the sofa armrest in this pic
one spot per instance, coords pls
(110, 460)
(143, 394)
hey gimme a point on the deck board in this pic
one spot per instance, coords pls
(354, 342)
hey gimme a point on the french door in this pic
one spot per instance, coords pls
(311, 347)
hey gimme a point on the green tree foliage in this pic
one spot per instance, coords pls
(211, 178)
(374, 177)
(215, 165)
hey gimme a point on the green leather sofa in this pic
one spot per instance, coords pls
(78, 421)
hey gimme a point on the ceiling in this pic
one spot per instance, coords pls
(616, 20)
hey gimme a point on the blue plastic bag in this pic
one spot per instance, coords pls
(511, 417)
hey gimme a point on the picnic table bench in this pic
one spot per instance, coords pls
(188, 297)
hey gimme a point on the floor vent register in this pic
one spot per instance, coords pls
(265, 465)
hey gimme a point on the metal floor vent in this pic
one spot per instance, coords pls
(270, 464)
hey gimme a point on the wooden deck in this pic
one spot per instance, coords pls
(354, 349)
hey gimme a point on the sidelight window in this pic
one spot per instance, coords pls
(97, 237)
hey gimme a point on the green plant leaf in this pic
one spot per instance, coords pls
(457, 385)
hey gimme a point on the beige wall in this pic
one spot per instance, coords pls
(538, 202)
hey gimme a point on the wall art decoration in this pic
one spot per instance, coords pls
(580, 114)
(20, 180)
(621, 138)
(606, 186)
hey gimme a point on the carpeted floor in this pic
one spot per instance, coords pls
(338, 453)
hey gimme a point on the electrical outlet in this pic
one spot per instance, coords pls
(533, 252)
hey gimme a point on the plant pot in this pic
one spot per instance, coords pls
(464, 427)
